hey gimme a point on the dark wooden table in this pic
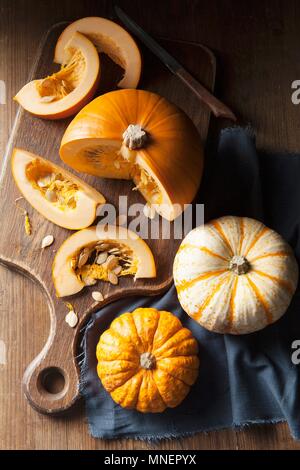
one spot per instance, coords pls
(257, 46)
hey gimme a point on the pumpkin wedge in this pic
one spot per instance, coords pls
(138, 135)
(110, 38)
(102, 252)
(57, 194)
(65, 92)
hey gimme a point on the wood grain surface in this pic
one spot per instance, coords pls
(257, 48)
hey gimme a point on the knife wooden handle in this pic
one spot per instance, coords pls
(216, 106)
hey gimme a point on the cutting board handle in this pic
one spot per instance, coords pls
(51, 381)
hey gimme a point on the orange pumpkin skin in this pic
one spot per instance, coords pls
(147, 361)
(172, 153)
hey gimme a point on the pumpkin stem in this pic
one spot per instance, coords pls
(239, 265)
(134, 137)
(147, 361)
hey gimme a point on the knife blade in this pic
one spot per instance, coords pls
(216, 106)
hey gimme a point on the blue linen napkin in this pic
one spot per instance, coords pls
(242, 379)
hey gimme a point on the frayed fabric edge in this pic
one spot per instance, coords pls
(248, 130)
(178, 435)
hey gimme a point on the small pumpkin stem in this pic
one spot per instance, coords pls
(239, 265)
(147, 361)
(134, 137)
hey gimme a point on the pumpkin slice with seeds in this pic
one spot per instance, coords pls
(65, 92)
(57, 194)
(100, 253)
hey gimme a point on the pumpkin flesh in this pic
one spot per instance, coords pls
(65, 92)
(134, 257)
(147, 361)
(109, 38)
(58, 195)
(234, 275)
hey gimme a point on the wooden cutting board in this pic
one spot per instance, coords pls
(57, 361)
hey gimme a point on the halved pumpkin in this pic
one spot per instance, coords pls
(138, 135)
(110, 38)
(100, 253)
(59, 196)
(65, 92)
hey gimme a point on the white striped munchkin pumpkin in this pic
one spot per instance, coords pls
(235, 275)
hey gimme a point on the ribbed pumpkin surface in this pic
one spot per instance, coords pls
(235, 275)
(172, 153)
(147, 360)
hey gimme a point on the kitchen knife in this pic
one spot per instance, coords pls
(216, 106)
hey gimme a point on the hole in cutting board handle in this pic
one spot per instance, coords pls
(52, 382)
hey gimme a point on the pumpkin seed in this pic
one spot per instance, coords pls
(47, 241)
(97, 296)
(111, 262)
(73, 263)
(44, 182)
(103, 247)
(71, 318)
(117, 165)
(149, 211)
(114, 251)
(83, 257)
(113, 278)
(47, 99)
(71, 202)
(102, 257)
(50, 195)
(89, 281)
(117, 270)
(49, 178)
